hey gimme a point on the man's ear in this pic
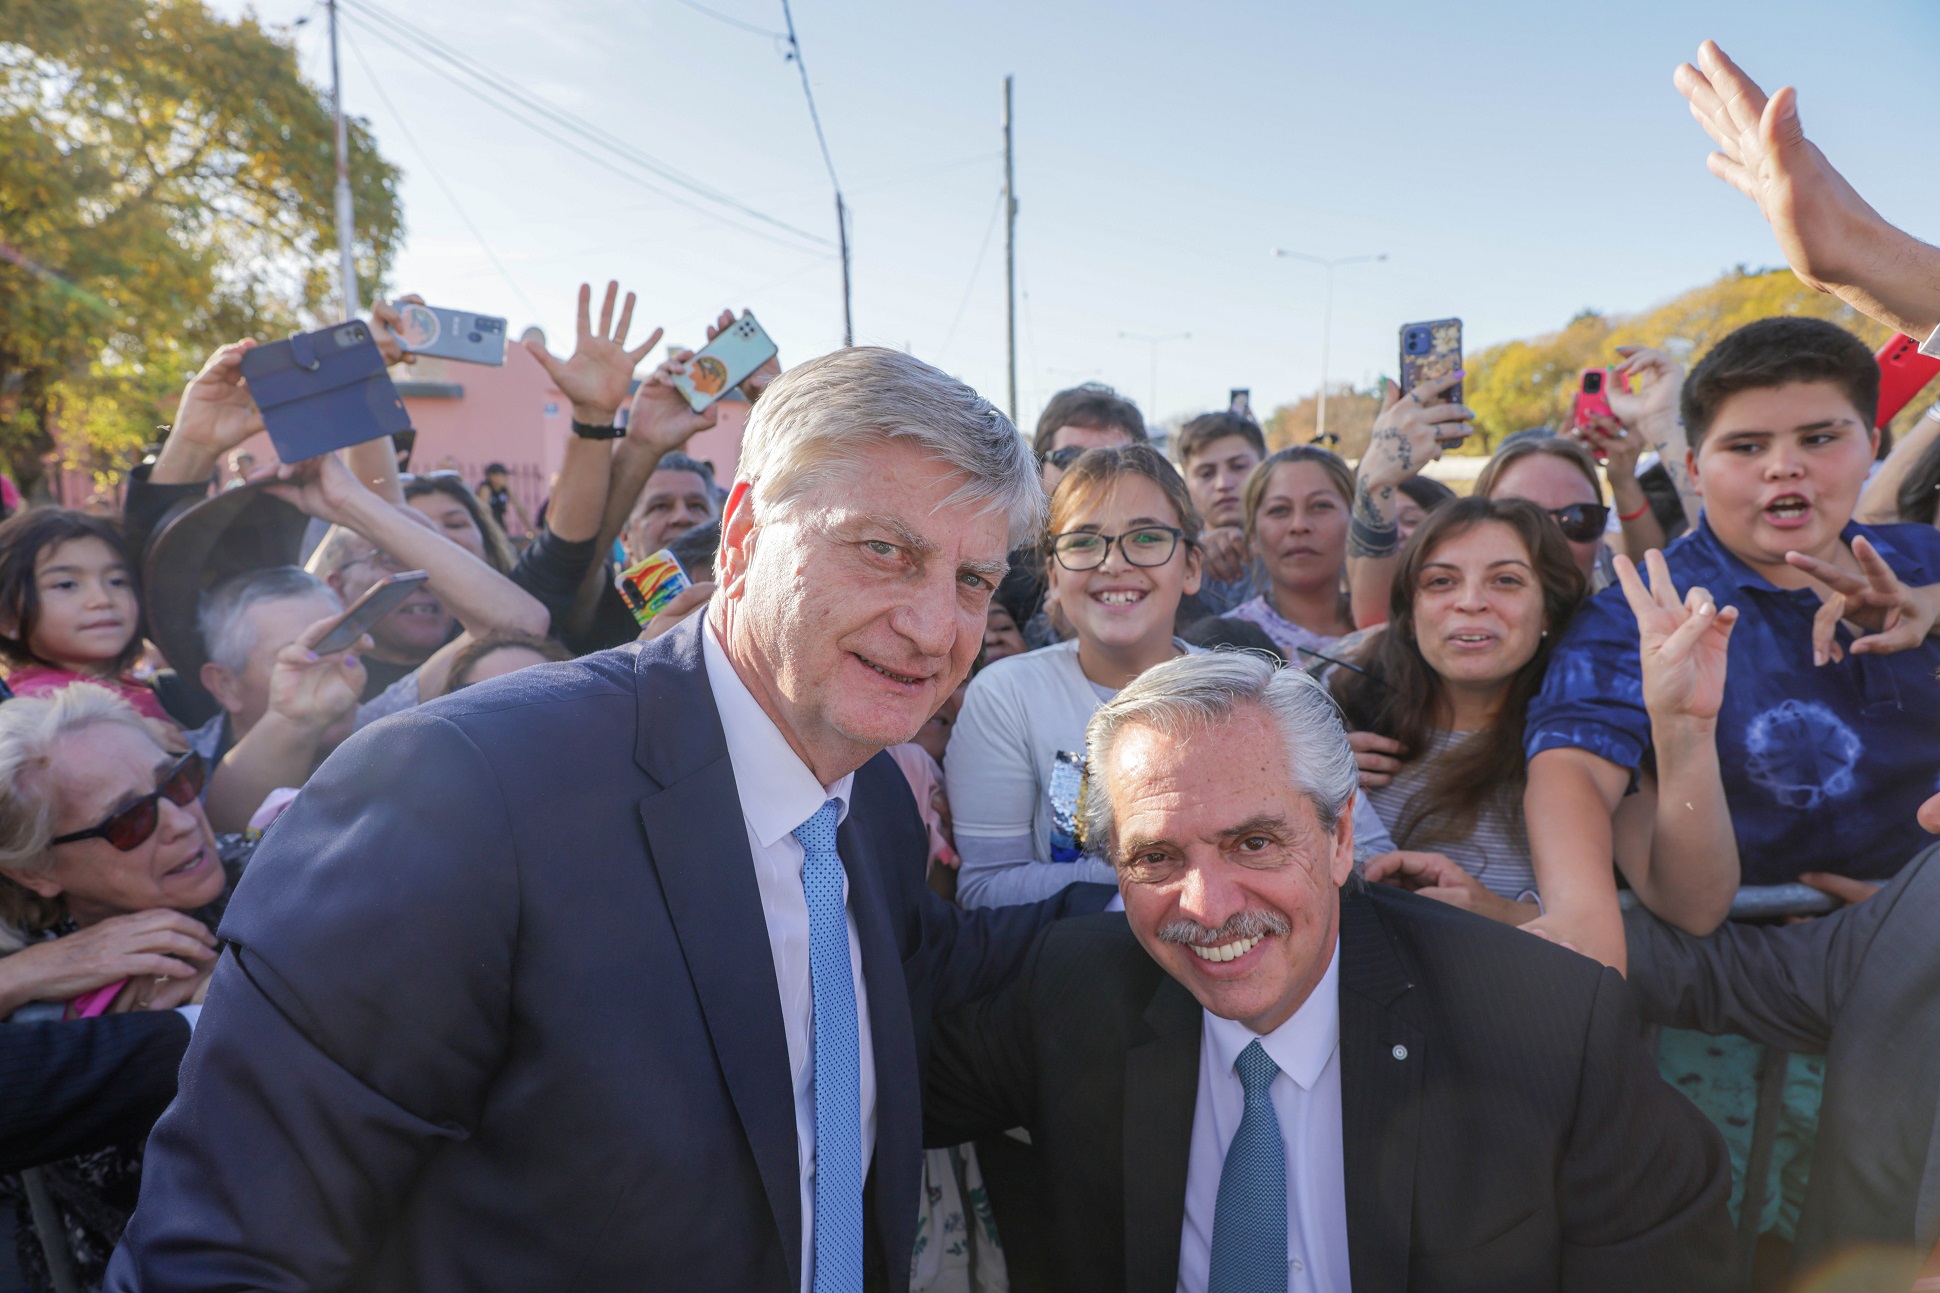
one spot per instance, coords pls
(1195, 569)
(737, 540)
(223, 685)
(1343, 860)
(1691, 470)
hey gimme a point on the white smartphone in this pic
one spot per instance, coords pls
(724, 363)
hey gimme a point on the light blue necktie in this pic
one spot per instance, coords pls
(837, 1065)
(1249, 1240)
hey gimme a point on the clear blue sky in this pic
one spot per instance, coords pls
(1517, 161)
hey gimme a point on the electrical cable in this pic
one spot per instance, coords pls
(493, 89)
(731, 21)
(795, 53)
(996, 210)
(432, 170)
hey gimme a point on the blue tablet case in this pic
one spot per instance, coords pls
(323, 391)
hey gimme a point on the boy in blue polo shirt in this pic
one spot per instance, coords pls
(1822, 765)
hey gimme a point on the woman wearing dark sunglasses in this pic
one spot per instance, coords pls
(1559, 476)
(111, 882)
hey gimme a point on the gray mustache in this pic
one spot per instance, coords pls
(1245, 924)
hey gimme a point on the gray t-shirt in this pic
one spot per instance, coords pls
(1012, 771)
(1496, 852)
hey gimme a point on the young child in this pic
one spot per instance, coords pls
(1821, 762)
(68, 607)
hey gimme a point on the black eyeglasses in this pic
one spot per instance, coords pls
(1581, 522)
(1150, 545)
(1063, 458)
(129, 828)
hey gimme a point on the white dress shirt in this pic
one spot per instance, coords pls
(779, 793)
(1306, 1099)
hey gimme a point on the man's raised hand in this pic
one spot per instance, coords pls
(660, 420)
(597, 376)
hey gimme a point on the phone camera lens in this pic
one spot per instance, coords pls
(476, 337)
(1593, 383)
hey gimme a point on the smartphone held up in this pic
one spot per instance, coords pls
(379, 600)
(450, 334)
(724, 363)
(1430, 351)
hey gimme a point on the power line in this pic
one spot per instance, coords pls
(996, 209)
(493, 89)
(841, 207)
(732, 21)
(425, 157)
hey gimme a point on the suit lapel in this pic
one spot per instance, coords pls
(1381, 1082)
(898, 1158)
(699, 851)
(1161, 1085)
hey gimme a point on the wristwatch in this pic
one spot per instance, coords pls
(588, 431)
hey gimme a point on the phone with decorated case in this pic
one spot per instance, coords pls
(725, 362)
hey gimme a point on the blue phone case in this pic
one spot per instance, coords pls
(323, 391)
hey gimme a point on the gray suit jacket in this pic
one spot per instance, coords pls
(1861, 985)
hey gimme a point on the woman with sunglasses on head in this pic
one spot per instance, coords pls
(1296, 504)
(111, 885)
(1484, 589)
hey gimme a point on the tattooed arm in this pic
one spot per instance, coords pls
(1410, 433)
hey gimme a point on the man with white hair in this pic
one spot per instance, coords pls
(1265, 1076)
(618, 973)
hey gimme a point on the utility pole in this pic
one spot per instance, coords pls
(346, 226)
(1010, 256)
(842, 232)
(1326, 321)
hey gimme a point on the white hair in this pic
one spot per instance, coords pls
(31, 731)
(820, 421)
(222, 616)
(1192, 693)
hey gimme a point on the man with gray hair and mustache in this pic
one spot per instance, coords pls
(1266, 1076)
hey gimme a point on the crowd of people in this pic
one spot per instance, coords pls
(1188, 921)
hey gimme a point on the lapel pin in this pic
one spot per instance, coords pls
(1399, 1052)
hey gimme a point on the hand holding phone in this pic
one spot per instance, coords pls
(379, 600)
(724, 363)
(323, 391)
(648, 585)
(449, 334)
(1429, 351)
(1903, 373)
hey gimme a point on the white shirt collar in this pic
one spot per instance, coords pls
(1302, 1045)
(777, 790)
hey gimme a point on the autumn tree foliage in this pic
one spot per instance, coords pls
(165, 186)
(1521, 384)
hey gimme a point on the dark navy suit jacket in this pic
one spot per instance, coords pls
(499, 1012)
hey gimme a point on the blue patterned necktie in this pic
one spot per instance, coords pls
(837, 1066)
(1249, 1240)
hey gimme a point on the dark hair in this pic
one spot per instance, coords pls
(498, 548)
(1096, 470)
(496, 469)
(1093, 404)
(1339, 475)
(678, 461)
(1919, 496)
(1427, 493)
(1522, 446)
(468, 660)
(695, 550)
(1400, 696)
(1772, 352)
(1195, 435)
(23, 538)
(1021, 591)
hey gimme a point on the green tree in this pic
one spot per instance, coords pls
(165, 186)
(1530, 383)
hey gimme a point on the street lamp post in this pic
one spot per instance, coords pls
(1326, 320)
(1152, 405)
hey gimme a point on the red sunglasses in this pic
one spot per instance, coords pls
(129, 828)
